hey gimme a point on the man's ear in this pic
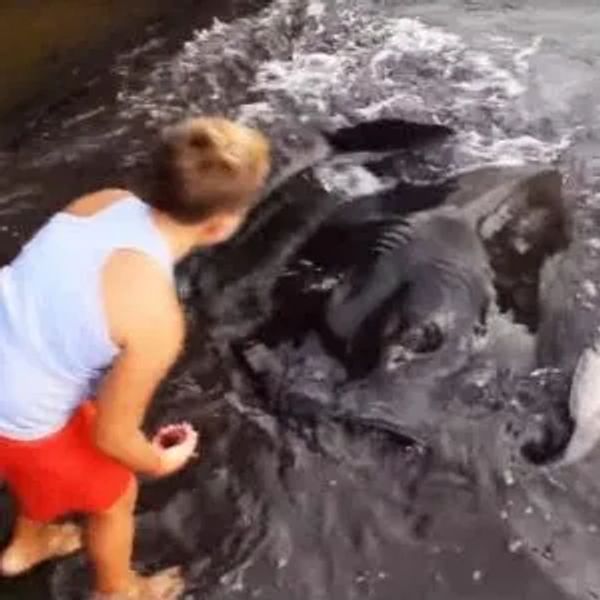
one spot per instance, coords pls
(213, 226)
(220, 227)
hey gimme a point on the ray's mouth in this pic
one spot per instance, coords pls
(535, 230)
(549, 437)
(544, 424)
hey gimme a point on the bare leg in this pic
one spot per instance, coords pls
(109, 543)
(34, 542)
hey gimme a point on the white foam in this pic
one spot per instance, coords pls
(414, 36)
(335, 63)
(584, 407)
(350, 180)
(590, 288)
(316, 9)
(522, 58)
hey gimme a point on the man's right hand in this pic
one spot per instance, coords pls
(176, 455)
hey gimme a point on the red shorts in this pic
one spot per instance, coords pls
(63, 473)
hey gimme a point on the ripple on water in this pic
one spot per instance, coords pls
(389, 66)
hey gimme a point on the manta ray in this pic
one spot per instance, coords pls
(444, 313)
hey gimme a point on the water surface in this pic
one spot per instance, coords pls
(317, 510)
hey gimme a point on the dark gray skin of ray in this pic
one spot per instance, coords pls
(478, 421)
(556, 508)
(440, 266)
(465, 415)
(442, 258)
(552, 511)
(524, 419)
(440, 261)
(506, 425)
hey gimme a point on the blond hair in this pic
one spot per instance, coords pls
(205, 166)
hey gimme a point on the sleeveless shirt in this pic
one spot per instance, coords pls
(54, 336)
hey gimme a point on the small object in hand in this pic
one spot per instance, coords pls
(173, 435)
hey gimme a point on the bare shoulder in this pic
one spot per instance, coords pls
(89, 204)
(141, 305)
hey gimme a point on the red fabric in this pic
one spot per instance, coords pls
(64, 472)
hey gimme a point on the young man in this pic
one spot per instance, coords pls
(91, 293)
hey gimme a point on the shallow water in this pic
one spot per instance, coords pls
(310, 508)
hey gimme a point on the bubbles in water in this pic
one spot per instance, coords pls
(297, 63)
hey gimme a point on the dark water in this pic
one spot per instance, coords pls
(40, 41)
(307, 507)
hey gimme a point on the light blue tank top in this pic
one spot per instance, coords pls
(54, 337)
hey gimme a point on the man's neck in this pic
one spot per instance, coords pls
(181, 239)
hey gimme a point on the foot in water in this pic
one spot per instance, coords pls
(167, 584)
(47, 542)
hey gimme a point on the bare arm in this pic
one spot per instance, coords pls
(146, 321)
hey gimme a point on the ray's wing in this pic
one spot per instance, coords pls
(584, 404)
